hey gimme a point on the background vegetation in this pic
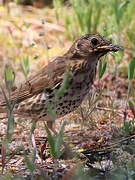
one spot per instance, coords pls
(30, 37)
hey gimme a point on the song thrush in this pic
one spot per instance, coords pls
(77, 67)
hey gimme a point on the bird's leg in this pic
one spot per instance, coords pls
(67, 150)
(35, 148)
(34, 141)
(50, 126)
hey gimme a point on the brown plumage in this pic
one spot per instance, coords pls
(80, 63)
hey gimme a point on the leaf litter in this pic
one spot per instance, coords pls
(25, 31)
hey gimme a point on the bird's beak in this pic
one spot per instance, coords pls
(110, 47)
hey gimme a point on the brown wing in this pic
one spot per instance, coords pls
(45, 78)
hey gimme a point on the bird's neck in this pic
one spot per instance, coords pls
(84, 65)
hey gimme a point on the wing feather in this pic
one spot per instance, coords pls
(45, 78)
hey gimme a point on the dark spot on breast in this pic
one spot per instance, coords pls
(60, 97)
(74, 102)
(60, 104)
(51, 96)
(65, 94)
(38, 110)
(76, 55)
(79, 87)
(65, 107)
(69, 104)
(91, 77)
(28, 111)
(76, 73)
(71, 81)
(43, 101)
(61, 113)
(49, 90)
(75, 106)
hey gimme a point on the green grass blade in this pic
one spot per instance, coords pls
(28, 163)
(6, 100)
(89, 19)
(131, 68)
(9, 77)
(59, 140)
(10, 127)
(51, 140)
(132, 91)
(102, 68)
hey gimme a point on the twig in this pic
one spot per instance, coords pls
(107, 109)
(112, 145)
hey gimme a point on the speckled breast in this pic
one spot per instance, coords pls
(78, 87)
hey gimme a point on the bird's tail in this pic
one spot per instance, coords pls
(3, 107)
(3, 104)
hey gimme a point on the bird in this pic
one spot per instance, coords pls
(60, 87)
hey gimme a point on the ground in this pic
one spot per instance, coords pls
(95, 132)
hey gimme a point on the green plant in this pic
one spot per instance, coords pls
(128, 127)
(30, 163)
(123, 172)
(130, 77)
(131, 68)
(84, 17)
(55, 141)
(102, 68)
(80, 173)
(118, 9)
(9, 77)
(9, 81)
(23, 1)
(25, 66)
(57, 4)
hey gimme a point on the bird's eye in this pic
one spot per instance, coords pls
(94, 41)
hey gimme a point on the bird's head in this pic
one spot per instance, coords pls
(92, 46)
